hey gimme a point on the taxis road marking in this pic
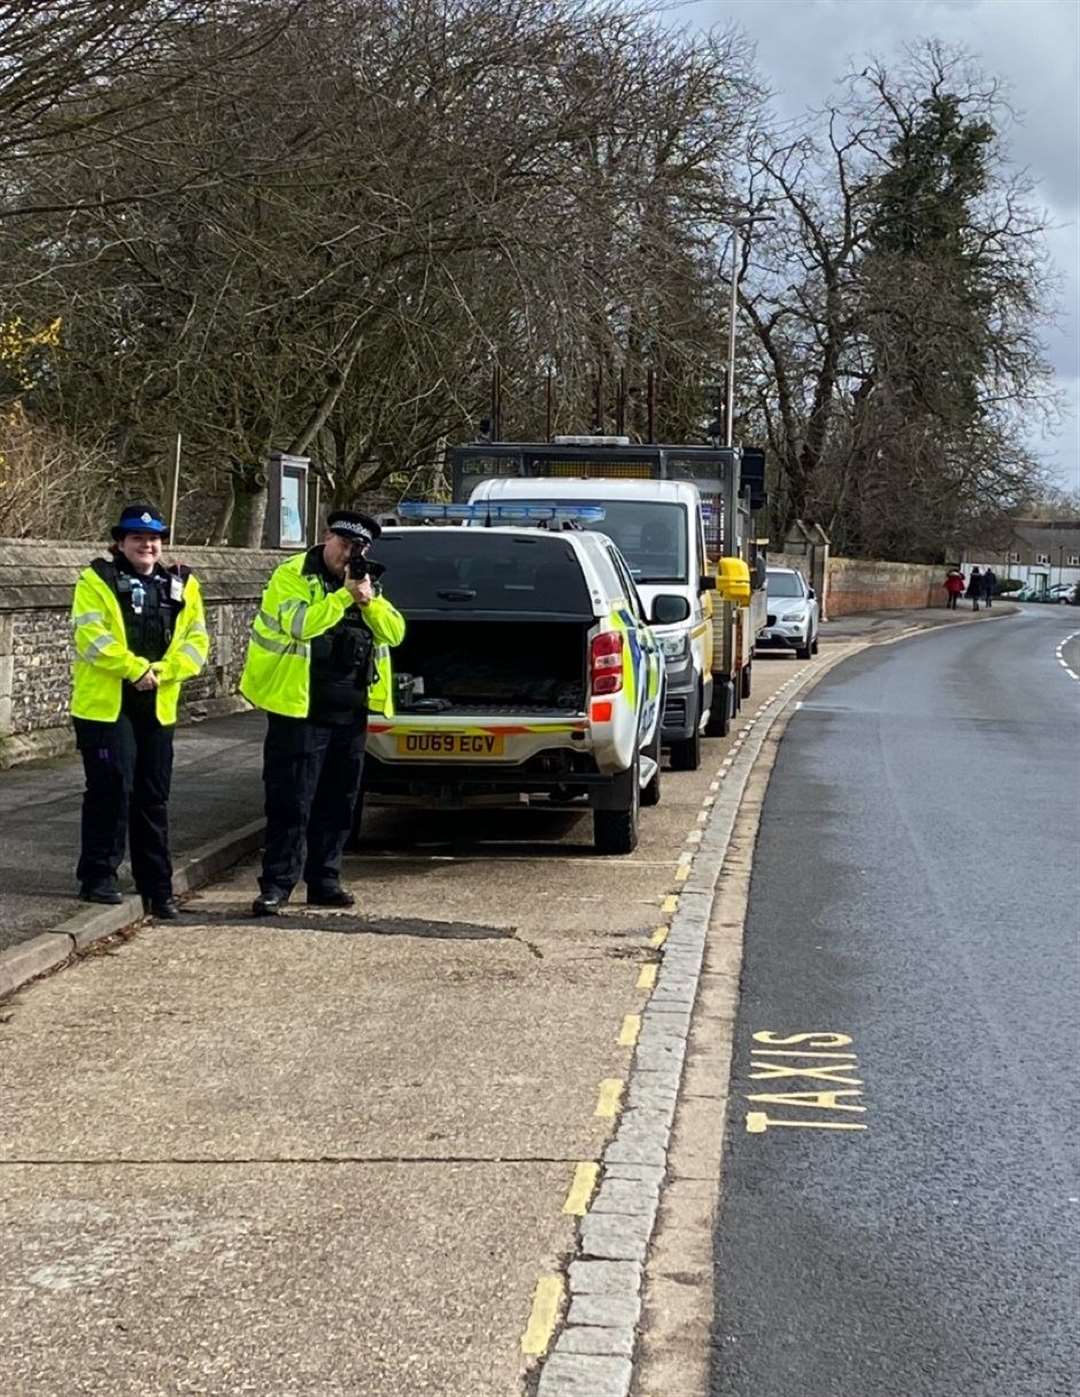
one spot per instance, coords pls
(757, 1122)
(545, 1311)
(611, 1090)
(581, 1190)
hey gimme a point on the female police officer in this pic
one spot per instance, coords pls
(140, 631)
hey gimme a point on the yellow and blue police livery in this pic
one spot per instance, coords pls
(528, 669)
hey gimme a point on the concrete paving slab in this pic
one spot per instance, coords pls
(311, 1280)
(247, 1042)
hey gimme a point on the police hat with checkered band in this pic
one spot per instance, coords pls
(348, 523)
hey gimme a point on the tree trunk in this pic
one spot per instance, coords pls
(220, 535)
(250, 498)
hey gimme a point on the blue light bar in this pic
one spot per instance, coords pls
(531, 513)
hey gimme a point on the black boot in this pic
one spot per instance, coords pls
(108, 896)
(269, 904)
(165, 909)
(330, 895)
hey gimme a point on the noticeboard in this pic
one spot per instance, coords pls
(287, 514)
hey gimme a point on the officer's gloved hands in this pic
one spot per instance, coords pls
(148, 681)
(361, 591)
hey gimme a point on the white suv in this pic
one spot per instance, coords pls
(527, 668)
(792, 621)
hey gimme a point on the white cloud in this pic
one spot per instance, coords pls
(806, 46)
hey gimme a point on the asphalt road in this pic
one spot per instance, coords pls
(914, 905)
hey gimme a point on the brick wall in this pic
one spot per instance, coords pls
(861, 584)
(36, 584)
(858, 584)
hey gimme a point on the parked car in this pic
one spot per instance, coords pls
(528, 668)
(792, 619)
(1060, 594)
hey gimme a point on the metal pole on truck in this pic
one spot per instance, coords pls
(735, 224)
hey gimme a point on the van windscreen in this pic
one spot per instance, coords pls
(650, 536)
(453, 569)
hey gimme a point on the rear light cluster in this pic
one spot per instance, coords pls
(606, 662)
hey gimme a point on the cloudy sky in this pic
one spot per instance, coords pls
(803, 46)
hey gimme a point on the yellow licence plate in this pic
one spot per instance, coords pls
(449, 744)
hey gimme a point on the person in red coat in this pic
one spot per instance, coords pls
(954, 585)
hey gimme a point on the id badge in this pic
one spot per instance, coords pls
(176, 589)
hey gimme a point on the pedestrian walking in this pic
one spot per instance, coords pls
(140, 633)
(954, 587)
(318, 661)
(989, 581)
(974, 588)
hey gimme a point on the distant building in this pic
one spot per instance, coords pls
(1040, 552)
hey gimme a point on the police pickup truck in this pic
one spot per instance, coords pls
(527, 670)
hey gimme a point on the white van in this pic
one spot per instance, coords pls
(659, 528)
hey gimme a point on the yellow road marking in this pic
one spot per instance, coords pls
(670, 903)
(682, 873)
(545, 1311)
(611, 1090)
(694, 837)
(647, 978)
(581, 1190)
(659, 936)
(757, 1122)
(631, 1027)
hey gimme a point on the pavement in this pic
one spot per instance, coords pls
(900, 1172)
(340, 1153)
(874, 625)
(217, 788)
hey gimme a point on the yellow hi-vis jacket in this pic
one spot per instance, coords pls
(103, 662)
(293, 611)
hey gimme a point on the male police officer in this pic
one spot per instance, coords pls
(318, 659)
(140, 632)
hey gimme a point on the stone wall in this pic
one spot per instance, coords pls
(36, 584)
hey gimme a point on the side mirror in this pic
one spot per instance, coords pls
(669, 609)
(810, 592)
(706, 583)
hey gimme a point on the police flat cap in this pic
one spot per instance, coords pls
(349, 523)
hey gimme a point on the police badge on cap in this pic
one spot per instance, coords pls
(356, 527)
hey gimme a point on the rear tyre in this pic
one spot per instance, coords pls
(719, 724)
(616, 831)
(686, 755)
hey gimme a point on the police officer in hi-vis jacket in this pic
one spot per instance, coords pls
(318, 661)
(140, 632)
